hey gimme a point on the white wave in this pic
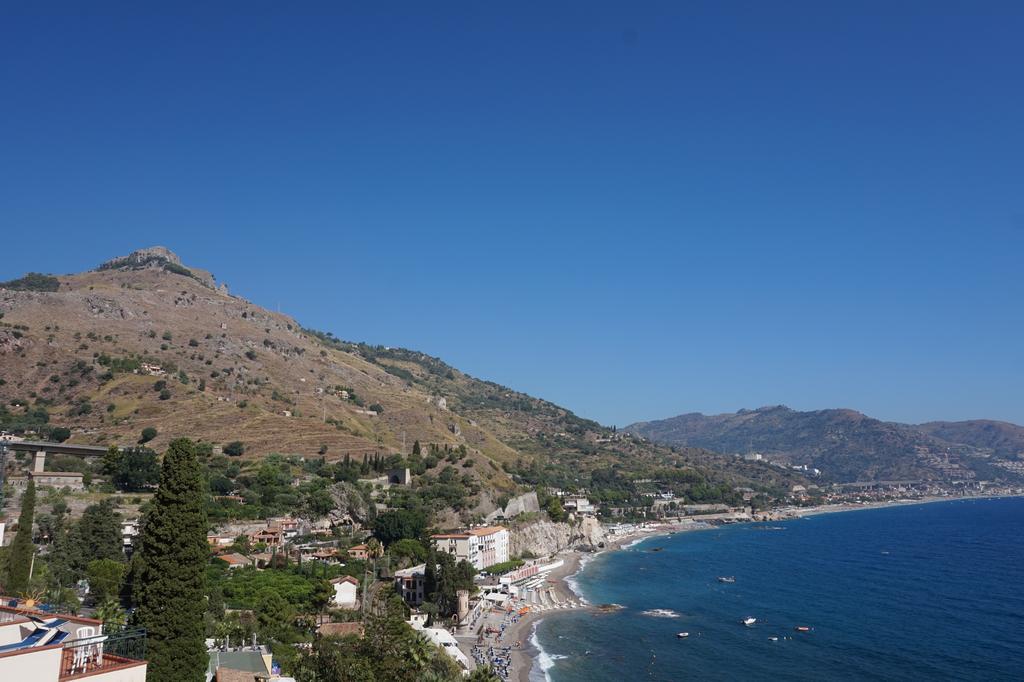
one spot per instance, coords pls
(661, 613)
(545, 661)
(573, 582)
(634, 543)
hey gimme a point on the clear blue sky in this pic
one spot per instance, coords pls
(634, 211)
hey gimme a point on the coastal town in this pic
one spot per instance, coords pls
(473, 592)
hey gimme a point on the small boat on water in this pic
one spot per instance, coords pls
(683, 635)
(749, 620)
(657, 549)
(774, 639)
(802, 628)
(726, 579)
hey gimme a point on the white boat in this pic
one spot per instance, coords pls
(749, 620)
(683, 635)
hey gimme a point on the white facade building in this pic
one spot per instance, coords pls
(346, 590)
(481, 547)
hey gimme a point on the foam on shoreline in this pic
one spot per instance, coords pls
(572, 580)
(543, 661)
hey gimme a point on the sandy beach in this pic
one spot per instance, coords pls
(518, 629)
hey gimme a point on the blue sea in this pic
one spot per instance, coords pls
(922, 592)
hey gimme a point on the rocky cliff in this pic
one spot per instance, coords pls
(544, 538)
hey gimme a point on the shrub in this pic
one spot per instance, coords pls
(251, 354)
(235, 448)
(148, 434)
(165, 394)
(33, 281)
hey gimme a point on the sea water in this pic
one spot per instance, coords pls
(920, 592)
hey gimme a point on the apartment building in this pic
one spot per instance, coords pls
(482, 547)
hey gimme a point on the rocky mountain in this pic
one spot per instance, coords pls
(1001, 438)
(145, 341)
(847, 445)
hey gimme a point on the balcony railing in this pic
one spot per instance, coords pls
(102, 653)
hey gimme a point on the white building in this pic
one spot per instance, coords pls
(129, 531)
(482, 547)
(579, 505)
(346, 590)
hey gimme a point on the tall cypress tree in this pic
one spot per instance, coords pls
(22, 547)
(171, 586)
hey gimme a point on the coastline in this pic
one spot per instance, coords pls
(528, 659)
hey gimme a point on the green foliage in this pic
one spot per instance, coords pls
(134, 470)
(398, 524)
(59, 434)
(273, 613)
(97, 535)
(235, 448)
(33, 281)
(389, 651)
(22, 549)
(119, 365)
(170, 593)
(148, 434)
(555, 510)
(409, 549)
(504, 566)
(444, 578)
(105, 577)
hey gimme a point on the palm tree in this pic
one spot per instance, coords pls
(112, 615)
(484, 674)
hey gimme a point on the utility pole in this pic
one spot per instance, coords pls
(3, 469)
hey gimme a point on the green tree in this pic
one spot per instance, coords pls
(137, 470)
(235, 448)
(60, 434)
(22, 549)
(97, 535)
(105, 576)
(111, 460)
(170, 592)
(555, 510)
(412, 551)
(273, 613)
(148, 434)
(398, 524)
(112, 615)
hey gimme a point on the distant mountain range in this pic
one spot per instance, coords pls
(847, 445)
